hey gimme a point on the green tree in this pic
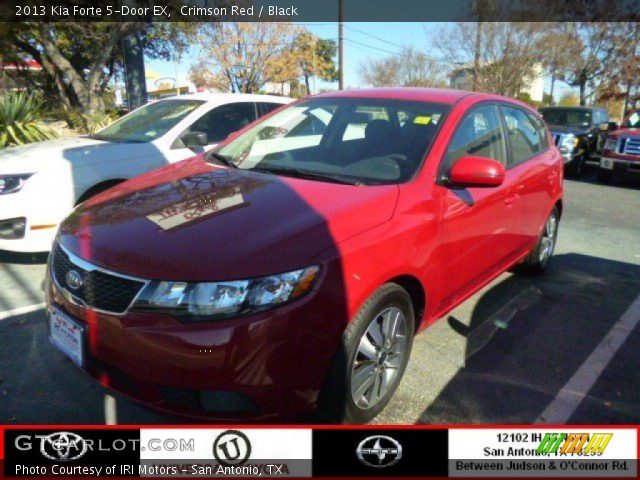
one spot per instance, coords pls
(79, 59)
(315, 58)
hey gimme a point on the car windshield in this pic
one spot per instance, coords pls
(567, 116)
(147, 123)
(345, 140)
(633, 121)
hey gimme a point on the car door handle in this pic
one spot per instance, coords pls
(513, 197)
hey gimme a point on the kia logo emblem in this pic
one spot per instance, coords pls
(379, 451)
(74, 280)
(231, 447)
(63, 446)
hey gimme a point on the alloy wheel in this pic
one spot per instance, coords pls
(548, 240)
(380, 356)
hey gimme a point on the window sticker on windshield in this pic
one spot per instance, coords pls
(422, 120)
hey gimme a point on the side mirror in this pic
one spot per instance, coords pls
(472, 171)
(194, 139)
(612, 126)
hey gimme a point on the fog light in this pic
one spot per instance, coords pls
(13, 228)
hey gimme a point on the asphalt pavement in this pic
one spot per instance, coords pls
(559, 347)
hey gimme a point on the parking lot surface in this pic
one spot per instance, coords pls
(559, 347)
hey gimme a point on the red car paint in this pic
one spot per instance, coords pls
(420, 233)
(631, 161)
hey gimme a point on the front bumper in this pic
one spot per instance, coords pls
(259, 367)
(41, 226)
(38, 239)
(620, 164)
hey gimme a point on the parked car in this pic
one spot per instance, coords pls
(622, 149)
(42, 182)
(579, 133)
(291, 267)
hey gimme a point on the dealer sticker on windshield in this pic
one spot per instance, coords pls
(67, 335)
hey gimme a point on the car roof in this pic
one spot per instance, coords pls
(561, 107)
(436, 95)
(222, 98)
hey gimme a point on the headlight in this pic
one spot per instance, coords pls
(12, 183)
(611, 144)
(568, 142)
(217, 300)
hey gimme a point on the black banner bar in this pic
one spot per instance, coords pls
(320, 11)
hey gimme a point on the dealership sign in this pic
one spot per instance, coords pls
(205, 452)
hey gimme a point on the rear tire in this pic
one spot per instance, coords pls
(371, 358)
(539, 257)
(605, 176)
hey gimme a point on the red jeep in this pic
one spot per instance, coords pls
(622, 149)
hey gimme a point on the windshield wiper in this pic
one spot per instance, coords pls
(222, 159)
(300, 173)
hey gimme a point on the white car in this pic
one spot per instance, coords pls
(40, 183)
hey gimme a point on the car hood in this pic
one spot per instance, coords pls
(625, 132)
(38, 156)
(193, 221)
(568, 129)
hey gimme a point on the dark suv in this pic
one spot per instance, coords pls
(579, 133)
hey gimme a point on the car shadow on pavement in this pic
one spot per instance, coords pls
(620, 180)
(517, 359)
(18, 258)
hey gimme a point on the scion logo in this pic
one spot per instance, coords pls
(74, 280)
(379, 451)
(63, 446)
(231, 447)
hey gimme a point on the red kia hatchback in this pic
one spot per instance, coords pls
(292, 267)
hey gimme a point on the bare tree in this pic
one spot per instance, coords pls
(621, 63)
(587, 68)
(500, 56)
(410, 68)
(558, 52)
(240, 52)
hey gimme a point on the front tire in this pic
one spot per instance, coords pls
(539, 257)
(371, 359)
(575, 167)
(605, 176)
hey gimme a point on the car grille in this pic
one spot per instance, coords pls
(101, 290)
(631, 146)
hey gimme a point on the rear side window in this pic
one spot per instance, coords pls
(223, 120)
(480, 134)
(542, 130)
(524, 137)
(267, 107)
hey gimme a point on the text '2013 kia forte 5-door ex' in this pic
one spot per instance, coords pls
(291, 268)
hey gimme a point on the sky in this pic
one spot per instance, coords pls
(363, 41)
